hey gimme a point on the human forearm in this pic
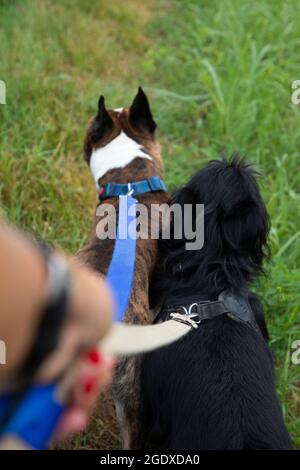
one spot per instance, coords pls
(24, 295)
(23, 277)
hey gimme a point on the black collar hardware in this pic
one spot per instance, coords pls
(233, 305)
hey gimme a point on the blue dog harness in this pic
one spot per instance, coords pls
(39, 410)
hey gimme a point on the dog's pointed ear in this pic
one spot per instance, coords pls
(103, 119)
(140, 113)
(102, 122)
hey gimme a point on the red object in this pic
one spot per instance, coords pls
(90, 385)
(94, 356)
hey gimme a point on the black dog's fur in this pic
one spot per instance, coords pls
(215, 388)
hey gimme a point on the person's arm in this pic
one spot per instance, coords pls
(24, 291)
(23, 278)
(23, 295)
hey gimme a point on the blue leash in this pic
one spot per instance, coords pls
(39, 412)
(120, 274)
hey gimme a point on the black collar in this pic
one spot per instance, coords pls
(231, 304)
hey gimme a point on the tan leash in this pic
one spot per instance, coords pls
(126, 340)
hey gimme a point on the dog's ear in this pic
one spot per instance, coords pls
(140, 115)
(244, 219)
(248, 230)
(102, 122)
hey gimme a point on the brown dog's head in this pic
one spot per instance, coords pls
(120, 145)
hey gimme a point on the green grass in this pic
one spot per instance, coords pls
(56, 59)
(219, 75)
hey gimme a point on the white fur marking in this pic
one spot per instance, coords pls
(116, 154)
(119, 110)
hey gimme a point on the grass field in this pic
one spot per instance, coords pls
(219, 75)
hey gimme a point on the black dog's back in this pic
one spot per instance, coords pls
(214, 389)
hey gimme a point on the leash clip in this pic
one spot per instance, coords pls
(130, 190)
(186, 318)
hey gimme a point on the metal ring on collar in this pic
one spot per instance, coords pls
(130, 190)
(193, 314)
(189, 313)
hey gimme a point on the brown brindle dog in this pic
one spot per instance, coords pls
(120, 147)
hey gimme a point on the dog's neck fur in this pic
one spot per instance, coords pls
(205, 279)
(118, 153)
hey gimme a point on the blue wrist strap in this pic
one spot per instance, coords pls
(36, 416)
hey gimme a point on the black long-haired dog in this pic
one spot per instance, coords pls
(215, 388)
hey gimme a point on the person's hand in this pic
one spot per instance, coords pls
(88, 370)
(88, 320)
(93, 374)
(23, 293)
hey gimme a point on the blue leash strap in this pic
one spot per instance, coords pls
(120, 274)
(37, 415)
